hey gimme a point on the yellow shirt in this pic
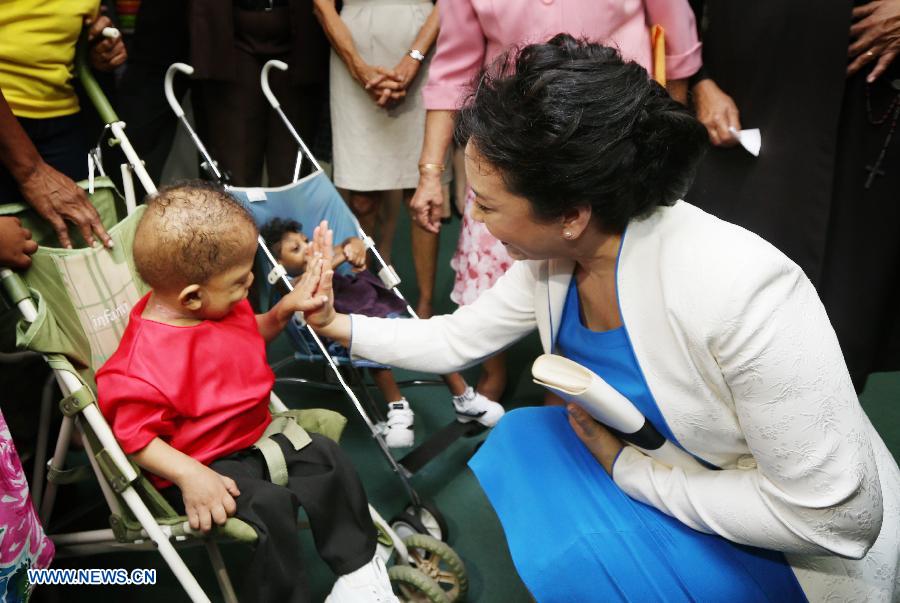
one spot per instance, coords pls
(37, 54)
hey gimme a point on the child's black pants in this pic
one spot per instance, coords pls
(322, 480)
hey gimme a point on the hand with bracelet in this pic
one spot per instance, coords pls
(427, 203)
(360, 70)
(407, 69)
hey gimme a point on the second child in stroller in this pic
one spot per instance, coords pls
(363, 293)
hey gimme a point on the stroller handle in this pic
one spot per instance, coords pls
(170, 91)
(264, 80)
(209, 165)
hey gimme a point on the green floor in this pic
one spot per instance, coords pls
(475, 533)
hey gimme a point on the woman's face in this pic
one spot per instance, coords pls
(509, 217)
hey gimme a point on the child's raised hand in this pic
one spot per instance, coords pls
(325, 313)
(305, 296)
(208, 497)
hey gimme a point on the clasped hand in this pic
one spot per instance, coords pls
(388, 87)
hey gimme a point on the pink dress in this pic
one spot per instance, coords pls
(23, 544)
(480, 259)
(474, 32)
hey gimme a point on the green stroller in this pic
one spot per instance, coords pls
(74, 306)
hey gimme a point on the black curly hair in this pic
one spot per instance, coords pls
(569, 123)
(274, 230)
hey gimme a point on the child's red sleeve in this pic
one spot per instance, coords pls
(136, 410)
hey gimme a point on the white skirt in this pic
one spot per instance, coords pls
(374, 148)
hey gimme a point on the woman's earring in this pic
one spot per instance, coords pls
(568, 234)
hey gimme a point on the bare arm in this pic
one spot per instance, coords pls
(17, 152)
(337, 33)
(427, 202)
(678, 89)
(443, 344)
(408, 68)
(429, 32)
(52, 195)
(208, 496)
(342, 41)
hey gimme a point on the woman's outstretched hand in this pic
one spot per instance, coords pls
(603, 445)
(320, 276)
(304, 297)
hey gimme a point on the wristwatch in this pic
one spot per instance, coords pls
(417, 55)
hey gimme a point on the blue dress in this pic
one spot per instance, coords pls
(575, 536)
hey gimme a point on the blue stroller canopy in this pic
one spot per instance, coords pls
(308, 201)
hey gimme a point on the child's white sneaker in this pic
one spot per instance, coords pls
(368, 584)
(399, 430)
(471, 406)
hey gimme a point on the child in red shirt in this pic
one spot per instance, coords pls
(187, 396)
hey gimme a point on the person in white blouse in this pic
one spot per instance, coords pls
(578, 161)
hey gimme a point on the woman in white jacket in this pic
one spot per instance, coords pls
(577, 160)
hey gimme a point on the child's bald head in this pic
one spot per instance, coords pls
(189, 233)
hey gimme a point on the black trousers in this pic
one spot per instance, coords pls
(324, 482)
(150, 123)
(243, 131)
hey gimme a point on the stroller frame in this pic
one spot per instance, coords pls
(119, 478)
(420, 513)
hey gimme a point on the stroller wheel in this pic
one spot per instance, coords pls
(432, 518)
(411, 584)
(406, 524)
(439, 562)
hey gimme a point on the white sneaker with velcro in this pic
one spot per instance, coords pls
(399, 430)
(472, 406)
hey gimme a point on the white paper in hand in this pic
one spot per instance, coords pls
(749, 139)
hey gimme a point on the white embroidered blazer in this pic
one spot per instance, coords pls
(745, 367)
